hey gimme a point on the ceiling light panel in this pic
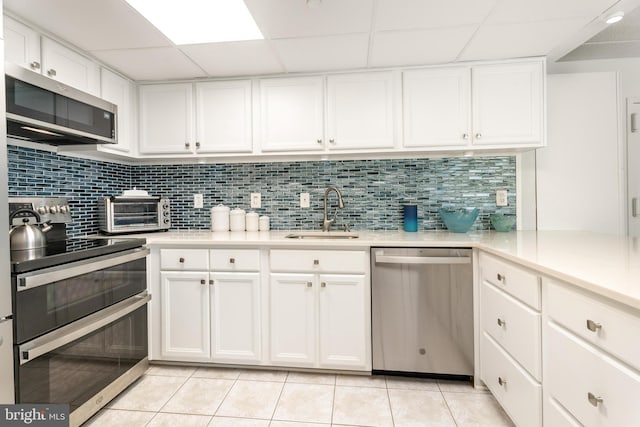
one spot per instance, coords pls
(199, 21)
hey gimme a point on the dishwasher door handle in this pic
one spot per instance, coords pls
(393, 259)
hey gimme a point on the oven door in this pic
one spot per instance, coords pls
(53, 297)
(79, 363)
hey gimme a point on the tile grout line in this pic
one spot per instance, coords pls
(170, 397)
(235, 381)
(447, 405)
(279, 397)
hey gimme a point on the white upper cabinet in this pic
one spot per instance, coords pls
(437, 107)
(291, 114)
(508, 104)
(68, 67)
(360, 111)
(120, 91)
(27, 48)
(22, 45)
(166, 119)
(223, 116)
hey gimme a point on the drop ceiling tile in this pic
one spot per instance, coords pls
(397, 48)
(163, 63)
(90, 24)
(516, 11)
(421, 14)
(323, 53)
(293, 18)
(235, 59)
(501, 41)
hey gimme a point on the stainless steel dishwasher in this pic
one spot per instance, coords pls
(422, 311)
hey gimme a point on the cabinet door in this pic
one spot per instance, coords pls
(293, 319)
(223, 117)
(507, 104)
(343, 316)
(22, 45)
(360, 111)
(185, 316)
(166, 119)
(291, 116)
(68, 67)
(437, 107)
(235, 317)
(119, 91)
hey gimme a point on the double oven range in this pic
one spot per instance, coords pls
(79, 315)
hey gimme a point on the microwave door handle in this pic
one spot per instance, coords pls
(67, 334)
(66, 271)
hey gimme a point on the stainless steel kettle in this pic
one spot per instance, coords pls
(27, 236)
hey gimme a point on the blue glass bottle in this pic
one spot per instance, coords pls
(410, 217)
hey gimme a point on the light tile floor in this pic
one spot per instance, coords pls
(170, 396)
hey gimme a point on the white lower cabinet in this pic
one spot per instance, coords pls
(185, 316)
(235, 317)
(319, 319)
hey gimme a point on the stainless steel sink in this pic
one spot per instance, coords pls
(322, 235)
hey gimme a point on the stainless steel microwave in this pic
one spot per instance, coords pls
(127, 214)
(41, 109)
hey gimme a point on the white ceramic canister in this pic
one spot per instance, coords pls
(263, 223)
(220, 218)
(252, 221)
(237, 219)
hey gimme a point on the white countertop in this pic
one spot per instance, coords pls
(604, 264)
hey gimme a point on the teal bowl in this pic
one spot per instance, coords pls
(503, 222)
(458, 220)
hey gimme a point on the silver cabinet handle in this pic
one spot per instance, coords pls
(316, 262)
(197, 144)
(332, 141)
(309, 284)
(465, 136)
(502, 381)
(501, 278)
(478, 135)
(232, 260)
(51, 72)
(593, 326)
(181, 260)
(634, 207)
(501, 322)
(323, 284)
(187, 145)
(203, 282)
(319, 141)
(634, 124)
(211, 281)
(594, 400)
(35, 65)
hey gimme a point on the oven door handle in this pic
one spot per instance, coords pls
(69, 333)
(66, 271)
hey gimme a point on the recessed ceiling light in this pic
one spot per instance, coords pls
(200, 21)
(314, 3)
(615, 17)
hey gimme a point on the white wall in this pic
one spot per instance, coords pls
(579, 175)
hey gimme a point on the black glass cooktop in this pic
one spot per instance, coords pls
(62, 252)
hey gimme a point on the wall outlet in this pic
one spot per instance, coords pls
(501, 198)
(256, 200)
(304, 200)
(198, 201)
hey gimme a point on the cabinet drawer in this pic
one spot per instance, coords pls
(611, 328)
(235, 259)
(519, 394)
(577, 373)
(184, 259)
(515, 326)
(515, 280)
(556, 416)
(322, 261)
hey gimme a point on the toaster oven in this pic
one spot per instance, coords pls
(126, 214)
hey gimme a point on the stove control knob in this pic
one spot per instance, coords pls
(43, 210)
(64, 209)
(54, 209)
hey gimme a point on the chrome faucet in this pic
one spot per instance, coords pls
(326, 224)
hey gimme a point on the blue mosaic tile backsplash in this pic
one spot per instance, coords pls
(373, 190)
